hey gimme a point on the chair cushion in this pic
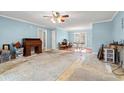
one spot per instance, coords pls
(5, 54)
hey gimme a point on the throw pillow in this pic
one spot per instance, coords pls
(17, 45)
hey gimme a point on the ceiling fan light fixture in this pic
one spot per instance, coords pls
(62, 20)
(53, 20)
(55, 13)
(59, 20)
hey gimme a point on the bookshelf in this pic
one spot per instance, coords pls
(109, 55)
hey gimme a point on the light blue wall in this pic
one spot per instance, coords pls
(102, 34)
(89, 36)
(60, 35)
(49, 39)
(118, 33)
(13, 31)
(71, 37)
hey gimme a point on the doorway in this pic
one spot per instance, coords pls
(42, 34)
(80, 39)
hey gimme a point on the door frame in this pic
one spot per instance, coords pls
(85, 37)
(40, 33)
(53, 39)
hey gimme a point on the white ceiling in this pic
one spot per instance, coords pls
(77, 19)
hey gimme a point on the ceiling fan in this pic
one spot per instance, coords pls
(57, 18)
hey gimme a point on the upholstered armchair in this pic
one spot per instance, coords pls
(19, 52)
(17, 49)
(5, 53)
(64, 44)
(5, 56)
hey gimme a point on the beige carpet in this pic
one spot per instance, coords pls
(56, 65)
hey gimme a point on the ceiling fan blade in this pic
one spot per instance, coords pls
(47, 16)
(65, 15)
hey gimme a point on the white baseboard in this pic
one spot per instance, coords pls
(48, 49)
(95, 53)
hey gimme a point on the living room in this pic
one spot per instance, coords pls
(65, 46)
(79, 38)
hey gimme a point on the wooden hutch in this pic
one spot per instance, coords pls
(29, 43)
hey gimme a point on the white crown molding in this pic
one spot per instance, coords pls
(21, 20)
(43, 26)
(78, 30)
(103, 21)
(114, 15)
(109, 20)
